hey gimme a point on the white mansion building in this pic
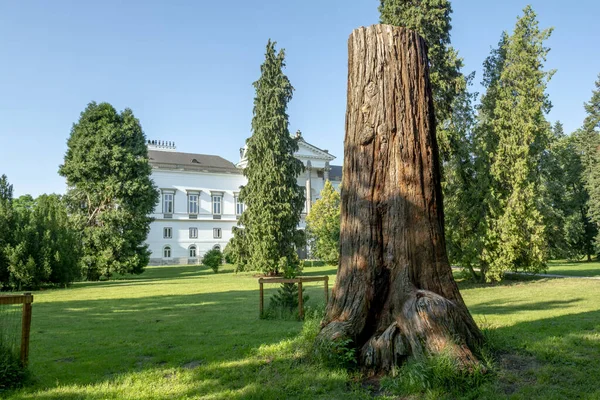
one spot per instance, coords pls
(199, 202)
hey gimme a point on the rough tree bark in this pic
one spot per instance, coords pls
(395, 296)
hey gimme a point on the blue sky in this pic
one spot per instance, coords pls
(186, 68)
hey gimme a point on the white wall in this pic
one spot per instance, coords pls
(182, 182)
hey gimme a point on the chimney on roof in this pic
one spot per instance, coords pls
(161, 145)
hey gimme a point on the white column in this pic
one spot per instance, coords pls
(308, 188)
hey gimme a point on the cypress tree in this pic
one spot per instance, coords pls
(518, 135)
(110, 193)
(272, 195)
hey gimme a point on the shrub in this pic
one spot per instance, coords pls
(213, 259)
(228, 254)
(436, 374)
(12, 373)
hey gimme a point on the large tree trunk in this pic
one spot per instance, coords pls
(395, 296)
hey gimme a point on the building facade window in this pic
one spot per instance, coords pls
(239, 206)
(217, 247)
(217, 203)
(217, 233)
(167, 252)
(168, 205)
(193, 251)
(168, 233)
(193, 233)
(193, 203)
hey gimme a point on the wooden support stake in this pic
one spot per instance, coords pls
(26, 328)
(326, 290)
(262, 299)
(300, 300)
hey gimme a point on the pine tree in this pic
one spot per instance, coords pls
(517, 136)
(110, 193)
(323, 225)
(273, 198)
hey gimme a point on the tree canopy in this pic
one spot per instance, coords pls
(323, 225)
(110, 193)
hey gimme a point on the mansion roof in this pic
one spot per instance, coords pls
(191, 162)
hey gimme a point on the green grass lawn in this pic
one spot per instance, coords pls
(580, 268)
(182, 332)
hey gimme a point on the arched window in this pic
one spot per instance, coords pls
(217, 247)
(167, 252)
(192, 250)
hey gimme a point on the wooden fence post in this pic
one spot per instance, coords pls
(326, 290)
(262, 297)
(300, 299)
(26, 328)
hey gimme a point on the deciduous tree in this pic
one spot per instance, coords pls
(323, 225)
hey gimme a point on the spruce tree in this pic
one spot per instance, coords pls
(272, 195)
(517, 136)
(110, 193)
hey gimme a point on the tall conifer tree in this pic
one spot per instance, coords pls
(517, 136)
(110, 192)
(588, 142)
(272, 195)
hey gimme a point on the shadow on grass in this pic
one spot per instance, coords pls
(556, 357)
(508, 307)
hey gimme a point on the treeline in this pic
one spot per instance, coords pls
(38, 245)
(99, 227)
(517, 190)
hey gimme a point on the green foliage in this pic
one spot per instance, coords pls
(228, 254)
(588, 144)
(38, 245)
(237, 249)
(339, 353)
(569, 231)
(323, 225)
(12, 372)
(213, 259)
(273, 198)
(431, 19)
(506, 226)
(6, 225)
(284, 303)
(439, 374)
(110, 193)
